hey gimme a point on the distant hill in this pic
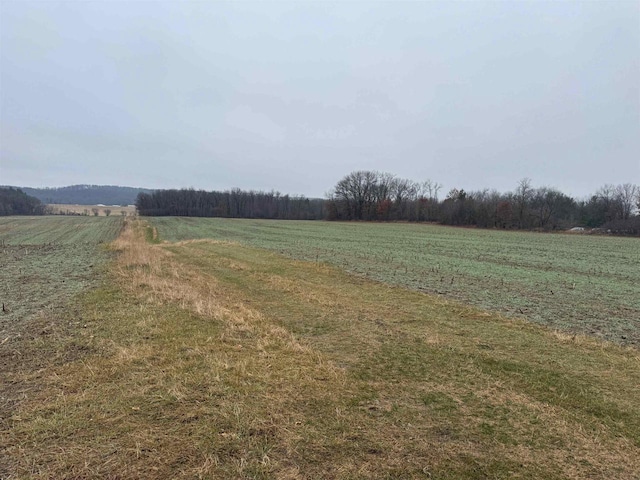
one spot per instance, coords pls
(87, 194)
(14, 201)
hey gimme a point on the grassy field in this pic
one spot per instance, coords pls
(58, 230)
(576, 283)
(210, 359)
(46, 262)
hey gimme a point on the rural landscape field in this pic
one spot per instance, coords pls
(48, 260)
(211, 348)
(576, 283)
(95, 210)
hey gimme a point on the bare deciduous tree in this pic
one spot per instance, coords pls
(357, 192)
(547, 203)
(523, 194)
(625, 195)
(431, 189)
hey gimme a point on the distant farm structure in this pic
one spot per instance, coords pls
(99, 210)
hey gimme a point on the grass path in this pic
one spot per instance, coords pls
(207, 359)
(585, 284)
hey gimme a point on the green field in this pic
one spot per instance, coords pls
(47, 260)
(58, 230)
(577, 283)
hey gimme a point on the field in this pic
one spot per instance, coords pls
(576, 283)
(45, 266)
(67, 209)
(214, 359)
(46, 262)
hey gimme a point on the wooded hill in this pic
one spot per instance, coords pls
(14, 201)
(87, 194)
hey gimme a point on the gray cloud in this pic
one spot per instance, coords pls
(292, 96)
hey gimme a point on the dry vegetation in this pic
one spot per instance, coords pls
(68, 209)
(577, 283)
(206, 359)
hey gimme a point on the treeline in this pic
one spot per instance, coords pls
(234, 203)
(87, 194)
(376, 196)
(14, 201)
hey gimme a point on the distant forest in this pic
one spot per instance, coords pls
(376, 196)
(234, 203)
(365, 196)
(14, 201)
(87, 194)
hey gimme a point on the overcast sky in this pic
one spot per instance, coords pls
(293, 96)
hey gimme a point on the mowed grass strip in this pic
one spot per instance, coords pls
(214, 360)
(586, 284)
